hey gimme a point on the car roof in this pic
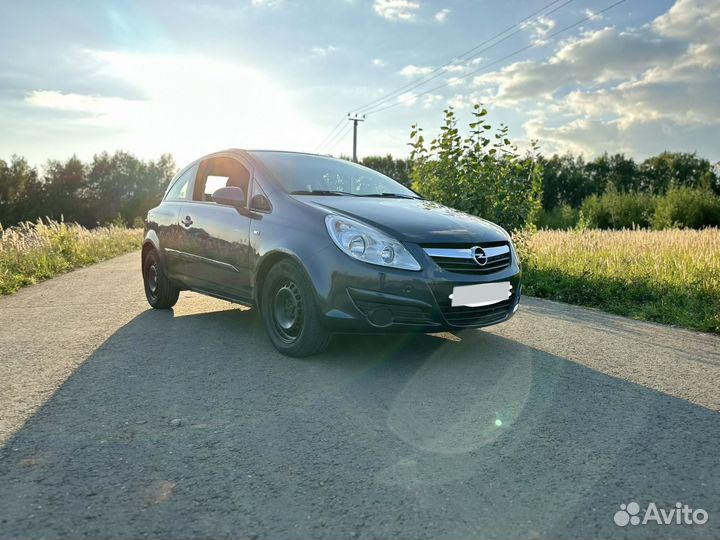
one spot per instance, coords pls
(243, 151)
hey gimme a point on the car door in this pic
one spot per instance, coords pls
(170, 233)
(216, 237)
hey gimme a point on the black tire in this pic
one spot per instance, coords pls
(159, 291)
(289, 311)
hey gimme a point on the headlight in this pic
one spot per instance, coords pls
(366, 243)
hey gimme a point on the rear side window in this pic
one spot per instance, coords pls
(182, 188)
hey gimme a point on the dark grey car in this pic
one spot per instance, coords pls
(323, 246)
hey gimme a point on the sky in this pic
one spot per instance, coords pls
(193, 77)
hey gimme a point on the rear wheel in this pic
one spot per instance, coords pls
(160, 292)
(290, 312)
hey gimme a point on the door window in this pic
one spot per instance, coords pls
(181, 189)
(220, 172)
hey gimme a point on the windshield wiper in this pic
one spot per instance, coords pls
(320, 192)
(391, 195)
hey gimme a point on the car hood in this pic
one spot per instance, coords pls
(412, 220)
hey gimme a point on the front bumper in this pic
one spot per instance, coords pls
(359, 297)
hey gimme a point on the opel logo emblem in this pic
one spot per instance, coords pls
(478, 255)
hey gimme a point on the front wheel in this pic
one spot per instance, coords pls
(290, 312)
(159, 290)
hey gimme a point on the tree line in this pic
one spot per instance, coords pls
(609, 192)
(479, 171)
(118, 188)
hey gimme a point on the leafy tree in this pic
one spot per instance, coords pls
(19, 189)
(675, 169)
(615, 210)
(396, 168)
(687, 207)
(564, 181)
(561, 217)
(122, 185)
(118, 187)
(66, 190)
(481, 174)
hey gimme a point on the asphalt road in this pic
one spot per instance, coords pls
(119, 421)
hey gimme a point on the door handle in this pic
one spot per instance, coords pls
(187, 221)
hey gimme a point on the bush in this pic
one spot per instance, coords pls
(614, 210)
(396, 168)
(482, 174)
(685, 207)
(560, 217)
(31, 252)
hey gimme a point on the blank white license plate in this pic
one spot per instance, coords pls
(482, 294)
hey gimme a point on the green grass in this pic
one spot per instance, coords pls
(32, 252)
(670, 277)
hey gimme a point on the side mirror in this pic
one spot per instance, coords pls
(230, 196)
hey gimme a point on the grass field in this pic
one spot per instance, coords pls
(671, 277)
(32, 252)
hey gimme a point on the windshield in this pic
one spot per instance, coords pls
(306, 174)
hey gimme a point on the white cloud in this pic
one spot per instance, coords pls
(441, 15)
(455, 68)
(105, 108)
(412, 71)
(407, 98)
(633, 90)
(540, 28)
(396, 10)
(459, 102)
(592, 59)
(429, 100)
(231, 105)
(378, 62)
(324, 51)
(267, 3)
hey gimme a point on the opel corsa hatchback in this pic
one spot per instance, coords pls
(323, 246)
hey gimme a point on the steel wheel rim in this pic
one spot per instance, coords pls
(287, 311)
(152, 279)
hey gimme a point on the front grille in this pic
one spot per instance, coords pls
(475, 316)
(459, 260)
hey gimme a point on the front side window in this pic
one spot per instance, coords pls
(307, 174)
(259, 201)
(216, 173)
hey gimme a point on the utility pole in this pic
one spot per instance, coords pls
(355, 119)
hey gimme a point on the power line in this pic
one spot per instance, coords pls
(336, 138)
(439, 71)
(342, 133)
(330, 134)
(465, 56)
(499, 60)
(338, 133)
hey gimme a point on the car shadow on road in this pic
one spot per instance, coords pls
(193, 426)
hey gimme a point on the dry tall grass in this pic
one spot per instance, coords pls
(31, 252)
(670, 276)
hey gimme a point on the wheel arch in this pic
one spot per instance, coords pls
(266, 263)
(150, 242)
